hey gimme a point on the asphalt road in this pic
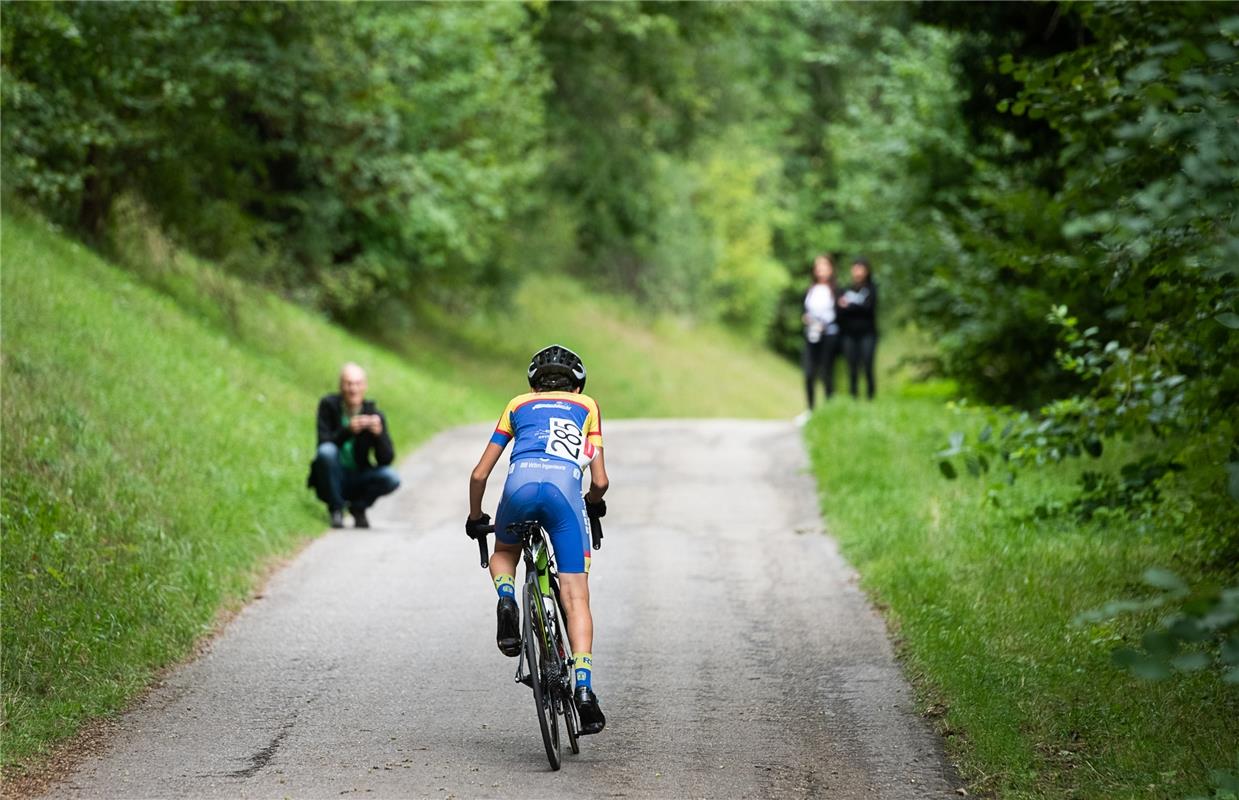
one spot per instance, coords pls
(734, 655)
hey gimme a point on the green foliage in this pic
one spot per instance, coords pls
(339, 151)
(1200, 631)
(984, 598)
(1116, 240)
(1124, 213)
(689, 155)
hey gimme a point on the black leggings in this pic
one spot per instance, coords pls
(819, 360)
(859, 350)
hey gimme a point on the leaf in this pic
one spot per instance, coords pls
(1111, 610)
(1230, 649)
(957, 440)
(1232, 483)
(1159, 644)
(1231, 675)
(985, 433)
(1190, 662)
(974, 466)
(1093, 447)
(1188, 630)
(1228, 318)
(947, 469)
(1164, 579)
(1141, 665)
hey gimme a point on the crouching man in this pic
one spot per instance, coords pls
(351, 430)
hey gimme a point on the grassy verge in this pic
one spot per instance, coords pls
(157, 432)
(983, 599)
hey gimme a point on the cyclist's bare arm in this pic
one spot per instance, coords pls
(477, 481)
(597, 478)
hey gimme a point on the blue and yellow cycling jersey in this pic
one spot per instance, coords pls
(562, 425)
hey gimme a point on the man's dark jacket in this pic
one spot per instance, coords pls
(330, 429)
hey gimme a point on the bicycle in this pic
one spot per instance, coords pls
(545, 663)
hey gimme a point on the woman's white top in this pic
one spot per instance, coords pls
(819, 307)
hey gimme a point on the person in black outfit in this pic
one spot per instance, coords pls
(858, 320)
(350, 430)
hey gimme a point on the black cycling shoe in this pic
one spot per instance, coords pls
(508, 631)
(592, 718)
(359, 517)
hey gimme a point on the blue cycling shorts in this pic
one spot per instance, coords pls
(547, 490)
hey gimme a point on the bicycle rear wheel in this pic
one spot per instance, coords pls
(538, 659)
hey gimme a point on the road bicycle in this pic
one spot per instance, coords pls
(545, 663)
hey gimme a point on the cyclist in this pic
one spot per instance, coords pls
(557, 432)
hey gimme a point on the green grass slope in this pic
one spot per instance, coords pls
(156, 441)
(983, 601)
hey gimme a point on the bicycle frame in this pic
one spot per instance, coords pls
(540, 576)
(544, 647)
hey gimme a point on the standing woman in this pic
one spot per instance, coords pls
(858, 317)
(821, 331)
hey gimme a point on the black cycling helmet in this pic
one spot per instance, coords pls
(555, 361)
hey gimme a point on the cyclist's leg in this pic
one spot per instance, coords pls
(518, 504)
(567, 525)
(565, 520)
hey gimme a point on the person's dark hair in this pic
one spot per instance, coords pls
(553, 382)
(864, 262)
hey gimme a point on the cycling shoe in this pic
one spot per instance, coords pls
(508, 630)
(592, 718)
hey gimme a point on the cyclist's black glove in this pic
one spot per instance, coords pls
(475, 528)
(596, 510)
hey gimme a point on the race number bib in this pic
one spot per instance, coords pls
(567, 441)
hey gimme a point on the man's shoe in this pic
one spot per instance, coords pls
(359, 518)
(508, 630)
(337, 518)
(592, 718)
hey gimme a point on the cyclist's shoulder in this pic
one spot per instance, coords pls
(543, 401)
(521, 399)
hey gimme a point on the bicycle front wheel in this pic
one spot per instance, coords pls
(538, 661)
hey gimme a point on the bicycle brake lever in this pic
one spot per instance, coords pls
(483, 552)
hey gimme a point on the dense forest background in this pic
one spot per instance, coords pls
(1025, 178)
(1046, 190)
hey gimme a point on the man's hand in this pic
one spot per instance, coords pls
(376, 425)
(596, 509)
(358, 422)
(474, 526)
